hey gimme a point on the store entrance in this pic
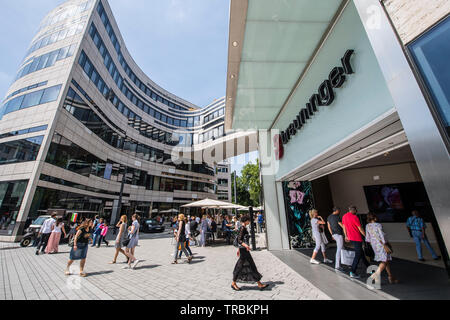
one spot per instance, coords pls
(389, 185)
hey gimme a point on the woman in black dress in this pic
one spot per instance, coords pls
(245, 269)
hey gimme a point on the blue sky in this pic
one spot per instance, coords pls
(181, 44)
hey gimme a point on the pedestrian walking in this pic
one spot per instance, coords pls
(119, 245)
(317, 225)
(97, 231)
(245, 269)
(73, 231)
(203, 231)
(104, 232)
(193, 226)
(260, 223)
(417, 230)
(80, 246)
(354, 233)
(133, 236)
(180, 239)
(55, 237)
(226, 228)
(45, 233)
(335, 227)
(188, 235)
(377, 239)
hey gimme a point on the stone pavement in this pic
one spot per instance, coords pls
(23, 275)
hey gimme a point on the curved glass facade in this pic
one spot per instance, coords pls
(102, 125)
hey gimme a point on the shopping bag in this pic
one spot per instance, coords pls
(347, 257)
(324, 238)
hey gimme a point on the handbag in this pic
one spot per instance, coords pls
(126, 242)
(324, 238)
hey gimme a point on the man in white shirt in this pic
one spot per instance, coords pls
(44, 233)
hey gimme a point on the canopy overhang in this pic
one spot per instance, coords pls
(272, 44)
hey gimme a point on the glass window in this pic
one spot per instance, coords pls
(20, 150)
(71, 51)
(87, 67)
(32, 99)
(52, 59)
(43, 61)
(62, 53)
(50, 94)
(14, 105)
(431, 54)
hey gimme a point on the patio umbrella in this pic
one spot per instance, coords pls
(207, 203)
(170, 211)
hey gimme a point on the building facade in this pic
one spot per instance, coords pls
(223, 172)
(82, 126)
(352, 102)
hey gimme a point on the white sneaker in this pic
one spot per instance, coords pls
(314, 261)
(328, 261)
(134, 265)
(126, 267)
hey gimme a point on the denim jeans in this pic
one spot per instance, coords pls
(359, 255)
(183, 249)
(417, 235)
(187, 248)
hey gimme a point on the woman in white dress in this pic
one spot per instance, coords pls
(376, 237)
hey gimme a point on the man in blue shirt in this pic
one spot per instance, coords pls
(416, 227)
(260, 223)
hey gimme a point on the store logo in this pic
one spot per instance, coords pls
(324, 97)
(278, 146)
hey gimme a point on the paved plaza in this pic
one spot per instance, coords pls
(27, 276)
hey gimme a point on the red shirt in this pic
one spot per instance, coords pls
(351, 223)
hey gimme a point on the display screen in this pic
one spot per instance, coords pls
(394, 203)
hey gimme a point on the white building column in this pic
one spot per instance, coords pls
(275, 213)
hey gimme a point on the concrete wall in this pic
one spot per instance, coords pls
(412, 17)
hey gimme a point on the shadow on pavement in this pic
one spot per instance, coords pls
(148, 267)
(272, 285)
(99, 273)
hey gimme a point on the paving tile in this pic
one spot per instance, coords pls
(27, 276)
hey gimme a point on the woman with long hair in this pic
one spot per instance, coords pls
(55, 237)
(317, 225)
(377, 239)
(180, 239)
(134, 240)
(245, 269)
(122, 226)
(80, 246)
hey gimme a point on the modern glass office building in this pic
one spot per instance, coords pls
(351, 98)
(82, 125)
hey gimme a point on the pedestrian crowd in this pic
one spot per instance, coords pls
(368, 243)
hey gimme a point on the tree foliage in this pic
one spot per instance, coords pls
(248, 186)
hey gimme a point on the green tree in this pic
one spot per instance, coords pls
(248, 186)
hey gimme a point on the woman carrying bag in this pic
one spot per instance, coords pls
(381, 247)
(317, 225)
